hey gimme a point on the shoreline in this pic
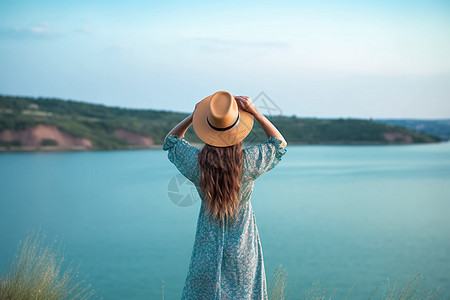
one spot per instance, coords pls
(53, 149)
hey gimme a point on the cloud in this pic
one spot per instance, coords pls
(223, 45)
(41, 31)
(117, 49)
(85, 30)
(38, 31)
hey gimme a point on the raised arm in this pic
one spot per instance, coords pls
(270, 130)
(181, 128)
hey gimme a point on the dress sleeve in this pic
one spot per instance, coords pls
(183, 155)
(265, 156)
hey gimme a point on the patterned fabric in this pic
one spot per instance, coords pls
(227, 260)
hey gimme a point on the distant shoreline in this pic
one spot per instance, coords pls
(51, 149)
(54, 125)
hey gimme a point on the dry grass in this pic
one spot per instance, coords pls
(410, 288)
(36, 273)
(277, 284)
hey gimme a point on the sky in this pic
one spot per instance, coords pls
(324, 59)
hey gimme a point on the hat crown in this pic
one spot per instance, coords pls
(223, 110)
(219, 121)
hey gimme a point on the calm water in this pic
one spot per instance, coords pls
(338, 215)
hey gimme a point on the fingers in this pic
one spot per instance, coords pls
(242, 98)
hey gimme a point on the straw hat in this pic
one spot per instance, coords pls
(219, 121)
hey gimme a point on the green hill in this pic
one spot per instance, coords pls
(120, 128)
(436, 127)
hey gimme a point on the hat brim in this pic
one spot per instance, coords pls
(220, 138)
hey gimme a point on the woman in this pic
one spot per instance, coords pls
(227, 260)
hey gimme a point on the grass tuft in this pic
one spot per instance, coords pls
(410, 288)
(37, 273)
(277, 284)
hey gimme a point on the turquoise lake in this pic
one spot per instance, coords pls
(347, 217)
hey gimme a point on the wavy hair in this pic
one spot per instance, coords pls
(221, 169)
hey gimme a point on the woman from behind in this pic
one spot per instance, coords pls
(227, 259)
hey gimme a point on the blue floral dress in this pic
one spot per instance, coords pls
(227, 260)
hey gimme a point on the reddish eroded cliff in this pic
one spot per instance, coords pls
(397, 137)
(133, 138)
(32, 137)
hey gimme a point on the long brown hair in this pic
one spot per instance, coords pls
(221, 169)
